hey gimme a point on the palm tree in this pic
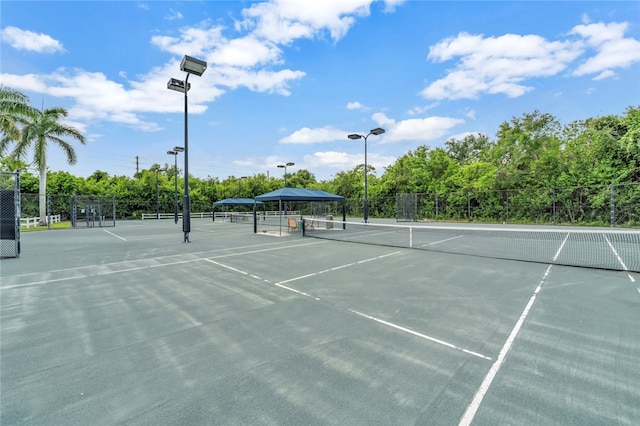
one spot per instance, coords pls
(14, 110)
(39, 129)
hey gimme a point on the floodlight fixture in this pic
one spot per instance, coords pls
(177, 85)
(355, 136)
(193, 65)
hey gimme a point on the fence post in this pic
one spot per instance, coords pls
(469, 206)
(507, 206)
(436, 206)
(612, 204)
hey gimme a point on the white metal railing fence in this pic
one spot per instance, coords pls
(146, 216)
(28, 222)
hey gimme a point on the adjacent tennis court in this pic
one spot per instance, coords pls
(129, 325)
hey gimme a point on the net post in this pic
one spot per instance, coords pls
(255, 219)
(554, 205)
(344, 216)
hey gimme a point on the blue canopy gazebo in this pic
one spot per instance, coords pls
(230, 202)
(303, 195)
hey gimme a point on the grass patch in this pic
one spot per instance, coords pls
(57, 225)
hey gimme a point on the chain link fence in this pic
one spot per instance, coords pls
(604, 205)
(9, 214)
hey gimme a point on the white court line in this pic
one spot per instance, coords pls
(423, 336)
(397, 327)
(340, 267)
(561, 247)
(442, 241)
(473, 407)
(616, 253)
(169, 256)
(117, 236)
(119, 271)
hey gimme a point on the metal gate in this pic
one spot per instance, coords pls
(406, 207)
(9, 214)
(93, 211)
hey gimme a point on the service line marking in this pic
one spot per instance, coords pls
(378, 320)
(423, 336)
(114, 235)
(473, 407)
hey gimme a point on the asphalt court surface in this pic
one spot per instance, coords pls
(129, 325)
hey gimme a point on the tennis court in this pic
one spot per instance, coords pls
(129, 325)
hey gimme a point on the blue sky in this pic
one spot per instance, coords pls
(288, 80)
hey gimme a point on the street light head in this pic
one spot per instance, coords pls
(178, 149)
(177, 85)
(193, 65)
(377, 131)
(291, 164)
(355, 136)
(282, 166)
(172, 153)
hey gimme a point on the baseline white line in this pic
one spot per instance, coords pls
(613, 249)
(473, 407)
(114, 235)
(423, 336)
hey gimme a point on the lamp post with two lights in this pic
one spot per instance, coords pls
(355, 136)
(174, 152)
(196, 67)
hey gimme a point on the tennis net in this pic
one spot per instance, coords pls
(613, 249)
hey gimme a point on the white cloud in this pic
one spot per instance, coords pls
(470, 113)
(317, 135)
(195, 41)
(283, 21)
(604, 74)
(497, 64)
(415, 129)
(246, 52)
(419, 110)
(341, 161)
(354, 105)
(28, 40)
(613, 49)
(247, 60)
(173, 15)
(502, 65)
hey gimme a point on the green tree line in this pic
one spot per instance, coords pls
(532, 162)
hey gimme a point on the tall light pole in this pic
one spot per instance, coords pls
(175, 152)
(285, 170)
(196, 67)
(354, 136)
(284, 166)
